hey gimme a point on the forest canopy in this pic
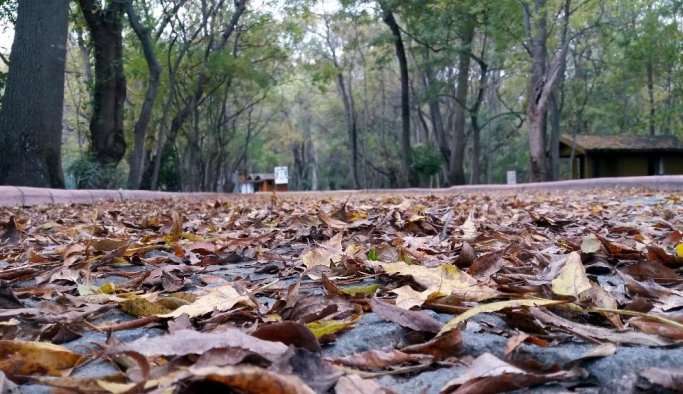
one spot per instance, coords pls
(183, 94)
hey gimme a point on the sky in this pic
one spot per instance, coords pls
(7, 32)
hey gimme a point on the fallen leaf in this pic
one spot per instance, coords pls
(602, 350)
(495, 307)
(489, 374)
(409, 298)
(571, 280)
(445, 279)
(290, 333)
(443, 346)
(415, 320)
(354, 384)
(219, 299)
(590, 244)
(184, 342)
(252, 380)
(666, 378)
(600, 333)
(374, 359)
(27, 358)
(329, 251)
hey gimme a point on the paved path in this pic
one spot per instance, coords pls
(27, 196)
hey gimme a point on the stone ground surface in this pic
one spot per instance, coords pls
(615, 373)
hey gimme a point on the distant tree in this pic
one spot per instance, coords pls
(31, 115)
(105, 25)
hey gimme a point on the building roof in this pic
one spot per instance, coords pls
(260, 177)
(623, 143)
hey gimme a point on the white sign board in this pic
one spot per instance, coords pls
(512, 177)
(281, 176)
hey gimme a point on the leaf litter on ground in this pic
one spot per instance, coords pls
(251, 292)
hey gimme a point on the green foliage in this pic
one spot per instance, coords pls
(426, 160)
(88, 174)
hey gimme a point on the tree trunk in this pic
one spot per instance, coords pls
(435, 109)
(108, 144)
(542, 83)
(351, 126)
(651, 96)
(409, 178)
(457, 159)
(555, 131)
(31, 114)
(140, 130)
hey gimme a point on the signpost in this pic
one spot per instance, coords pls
(281, 175)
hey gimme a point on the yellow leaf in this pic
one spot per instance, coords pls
(140, 307)
(445, 279)
(26, 358)
(176, 231)
(361, 290)
(571, 280)
(495, 307)
(679, 250)
(408, 298)
(217, 298)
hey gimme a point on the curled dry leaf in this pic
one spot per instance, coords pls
(414, 320)
(290, 333)
(443, 346)
(599, 333)
(489, 374)
(495, 307)
(666, 378)
(28, 358)
(184, 342)
(354, 384)
(252, 380)
(374, 359)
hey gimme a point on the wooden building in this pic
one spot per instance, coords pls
(264, 182)
(623, 155)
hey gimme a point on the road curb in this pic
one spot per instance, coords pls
(27, 196)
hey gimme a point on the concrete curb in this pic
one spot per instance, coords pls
(28, 196)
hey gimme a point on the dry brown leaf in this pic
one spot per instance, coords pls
(252, 380)
(489, 374)
(415, 320)
(219, 299)
(28, 358)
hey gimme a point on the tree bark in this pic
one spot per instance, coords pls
(651, 95)
(108, 144)
(456, 166)
(31, 114)
(408, 175)
(154, 70)
(542, 83)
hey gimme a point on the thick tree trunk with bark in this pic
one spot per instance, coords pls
(456, 171)
(408, 175)
(107, 142)
(542, 83)
(140, 130)
(31, 114)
